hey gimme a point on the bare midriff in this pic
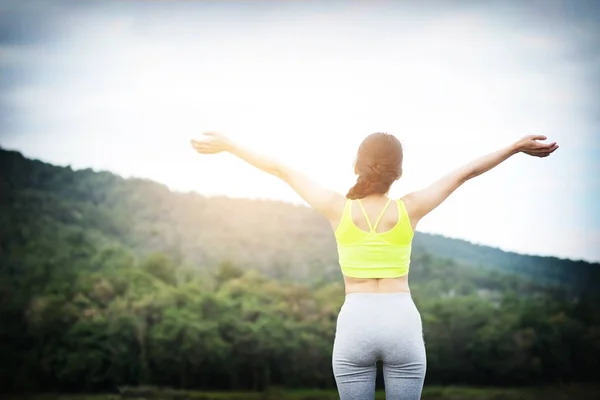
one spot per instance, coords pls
(376, 285)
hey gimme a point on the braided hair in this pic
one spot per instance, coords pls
(378, 165)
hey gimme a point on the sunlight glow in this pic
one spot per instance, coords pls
(307, 90)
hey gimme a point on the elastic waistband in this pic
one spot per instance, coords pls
(379, 302)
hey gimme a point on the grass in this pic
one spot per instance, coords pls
(562, 392)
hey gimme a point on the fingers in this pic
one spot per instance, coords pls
(197, 142)
(203, 147)
(206, 150)
(201, 143)
(548, 148)
(538, 137)
(542, 151)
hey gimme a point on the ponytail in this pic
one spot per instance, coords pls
(378, 164)
(374, 183)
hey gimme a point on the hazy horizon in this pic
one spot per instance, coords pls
(122, 87)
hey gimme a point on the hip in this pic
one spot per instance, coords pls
(395, 310)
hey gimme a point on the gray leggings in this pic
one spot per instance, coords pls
(379, 326)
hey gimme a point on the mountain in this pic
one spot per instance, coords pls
(283, 240)
(543, 269)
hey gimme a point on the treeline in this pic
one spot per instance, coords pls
(87, 320)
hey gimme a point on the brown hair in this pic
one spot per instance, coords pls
(378, 164)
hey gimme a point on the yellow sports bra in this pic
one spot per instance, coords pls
(370, 254)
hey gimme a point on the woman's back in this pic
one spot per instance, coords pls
(374, 237)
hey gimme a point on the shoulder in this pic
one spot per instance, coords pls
(335, 211)
(337, 205)
(407, 201)
(408, 204)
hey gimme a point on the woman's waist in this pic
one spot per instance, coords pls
(377, 285)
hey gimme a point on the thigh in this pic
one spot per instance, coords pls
(354, 357)
(404, 380)
(354, 370)
(405, 363)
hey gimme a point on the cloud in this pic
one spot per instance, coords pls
(24, 22)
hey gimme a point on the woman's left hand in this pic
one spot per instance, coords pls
(212, 143)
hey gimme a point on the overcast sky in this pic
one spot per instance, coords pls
(123, 86)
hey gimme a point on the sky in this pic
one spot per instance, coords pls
(123, 85)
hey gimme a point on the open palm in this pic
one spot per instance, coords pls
(211, 143)
(531, 145)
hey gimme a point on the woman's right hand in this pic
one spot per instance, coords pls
(531, 145)
(212, 143)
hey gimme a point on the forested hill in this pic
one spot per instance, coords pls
(108, 282)
(543, 269)
(280, 239)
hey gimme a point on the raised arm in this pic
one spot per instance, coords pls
(422, 202)
(326, 201)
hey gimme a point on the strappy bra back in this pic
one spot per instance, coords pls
(374, 254)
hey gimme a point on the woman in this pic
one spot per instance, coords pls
(378, 320)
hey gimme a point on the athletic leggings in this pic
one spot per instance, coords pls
(379, 326)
